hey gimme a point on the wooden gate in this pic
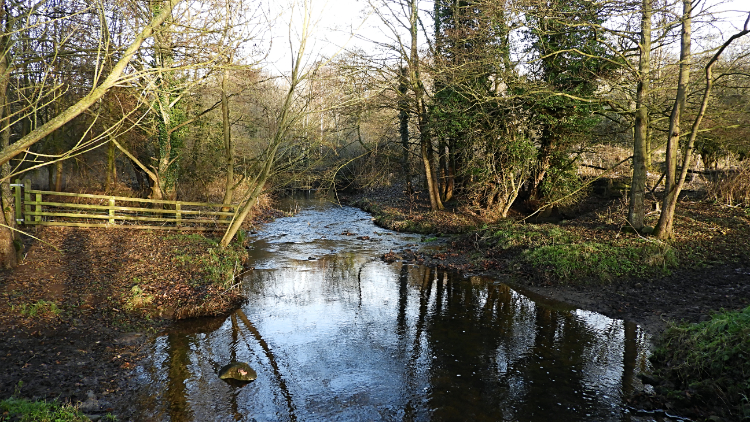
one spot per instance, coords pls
(48, 208)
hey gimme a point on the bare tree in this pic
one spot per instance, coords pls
(115, 76)
(115, 73)
(401, 17)
(664, 229)
(293, 107)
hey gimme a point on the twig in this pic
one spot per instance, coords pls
(31, 236)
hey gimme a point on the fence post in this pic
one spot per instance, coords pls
(178, 215)
(38, 208)
(17, 193)
(26, 201)
(111, 210)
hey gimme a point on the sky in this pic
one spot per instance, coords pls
(336, 20)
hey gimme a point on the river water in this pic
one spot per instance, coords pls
(335, 334)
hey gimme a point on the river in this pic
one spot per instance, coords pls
(336, 334)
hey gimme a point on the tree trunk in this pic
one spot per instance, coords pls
(673, 140)
(403, 128)
(636, 208)
(664, 230)
(515, 187)
(417, 87)
(426, 152)
(58, 175)
(446, 174)
(165, 178)
(10, 245)
(9, 253)
(50, 177)
(649, 152)
(111, 167)
(545, 158)
(228, 149)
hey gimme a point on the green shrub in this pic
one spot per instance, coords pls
(711, 360)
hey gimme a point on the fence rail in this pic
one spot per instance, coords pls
(48, 208)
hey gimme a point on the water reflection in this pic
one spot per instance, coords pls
(346, 337)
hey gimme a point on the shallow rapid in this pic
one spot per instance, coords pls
(335, 334)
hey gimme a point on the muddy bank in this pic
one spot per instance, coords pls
(74, 316)
(685, 296)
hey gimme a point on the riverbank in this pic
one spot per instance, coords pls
(587, 257)
(74, 315)
(74, 320)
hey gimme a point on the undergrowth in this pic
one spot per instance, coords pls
(22, 410)
(211, 263)
(40, 308)
(509, 235)
(710, 360)
(603, 261)
(561, 254)
(138, 298)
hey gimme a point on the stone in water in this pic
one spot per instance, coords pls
(238, 371)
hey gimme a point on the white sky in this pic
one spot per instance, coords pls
(333, 24)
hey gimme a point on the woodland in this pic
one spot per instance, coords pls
(499, 112)
(488, 104)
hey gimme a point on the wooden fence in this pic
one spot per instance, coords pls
(47, 208)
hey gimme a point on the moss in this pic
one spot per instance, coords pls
(710, 360)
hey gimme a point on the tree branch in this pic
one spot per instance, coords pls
(97, 93)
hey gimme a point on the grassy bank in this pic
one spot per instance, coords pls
(22, 410)
(592, 244)
(569, 254)
(708, 364)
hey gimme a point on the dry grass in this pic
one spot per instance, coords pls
(604, 157)
(731, 187)
(219, 305)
